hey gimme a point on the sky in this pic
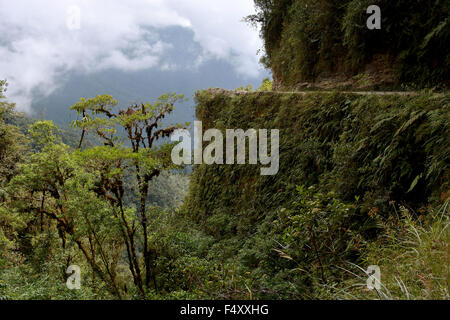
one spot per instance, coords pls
(43, 42)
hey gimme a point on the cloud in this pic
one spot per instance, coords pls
(219, 28)
(40, 42)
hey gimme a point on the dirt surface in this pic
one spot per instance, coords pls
(377, 93)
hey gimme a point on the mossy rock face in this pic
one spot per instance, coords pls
(377, 148)
(312, 41)
(348, 162)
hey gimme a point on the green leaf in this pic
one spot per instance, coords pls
(414, 183)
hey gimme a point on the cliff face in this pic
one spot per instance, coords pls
(317, 41)
(378, 148)
(352, 166)
(349, 163)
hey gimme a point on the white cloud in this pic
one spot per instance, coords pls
(219, 28)
(37, 48)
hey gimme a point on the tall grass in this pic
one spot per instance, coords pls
(413, 255)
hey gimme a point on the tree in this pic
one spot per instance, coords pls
(13, 147)
(54, 188)
(130, 137)
(12, 143)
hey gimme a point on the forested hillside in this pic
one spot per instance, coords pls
(70, 197)
(356, 171)
(363, 176)
(309, 40)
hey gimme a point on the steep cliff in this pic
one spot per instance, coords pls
(349, 163)
(315, 41)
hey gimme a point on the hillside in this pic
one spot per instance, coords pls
(349, 164)
(357, 208)
(327, 44)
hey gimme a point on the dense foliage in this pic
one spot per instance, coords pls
(86, 206)
(307, 39)
(348, 162)
(363, 180)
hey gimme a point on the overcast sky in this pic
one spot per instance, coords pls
(40, 41)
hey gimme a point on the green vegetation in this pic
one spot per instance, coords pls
(356, 157)
(63, 205)
(363, 178)
(414, 256)
(363, 181)
(308, 39)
